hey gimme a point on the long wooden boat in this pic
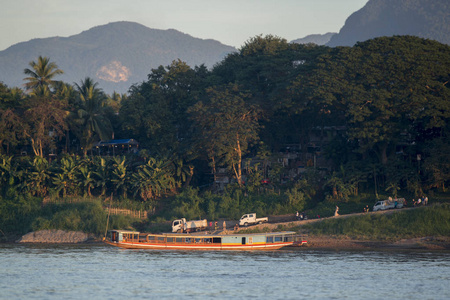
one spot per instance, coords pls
(203, 241)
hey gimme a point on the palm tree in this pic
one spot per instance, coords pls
(89, 121)
(114, 101)
(41, 74)
(45, 112)
(65, 92)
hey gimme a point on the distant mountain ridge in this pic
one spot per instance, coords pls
(318, 39)
(423, 18)
(120, 54)
(115, 55)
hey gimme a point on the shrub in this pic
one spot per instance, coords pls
(17, 213)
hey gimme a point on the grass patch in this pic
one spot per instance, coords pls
(425, 221)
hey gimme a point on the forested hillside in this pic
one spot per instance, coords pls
(273, 128)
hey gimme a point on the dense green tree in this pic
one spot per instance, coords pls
(267, 66)
(385, 100)
(387, 88)
(46, 123)
(437, 164)
(10, 98)
(227, 125)
(12, 126)
(156, 110)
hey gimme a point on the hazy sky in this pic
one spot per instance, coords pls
(232, 22)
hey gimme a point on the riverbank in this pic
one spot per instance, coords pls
(377, 234)
(344, 243)
(313, 242)
(55, 237)
(389, 229)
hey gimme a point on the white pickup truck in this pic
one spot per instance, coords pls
(389, 204)
(250, 219)
(182, 225)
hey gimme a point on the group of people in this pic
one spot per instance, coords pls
(216, 225)
(421, 201)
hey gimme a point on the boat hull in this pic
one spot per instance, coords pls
(205, 242)
(153, 246)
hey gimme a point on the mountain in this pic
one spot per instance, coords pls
(423, 18)
(318, 39)
(116, 55)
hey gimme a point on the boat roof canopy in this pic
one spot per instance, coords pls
(200, 235)
(125, 231)
(118, 142)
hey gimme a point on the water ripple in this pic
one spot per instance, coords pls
(102, 272)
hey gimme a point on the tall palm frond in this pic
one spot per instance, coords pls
(41, 74)
(90, 121)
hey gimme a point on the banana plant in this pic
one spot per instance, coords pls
(153, 179)
(65, 176)
(101, 174)
(86, 180)
(37, 177)
(6, 177)
(119, 175)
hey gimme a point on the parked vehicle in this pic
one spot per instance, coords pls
(389, 204)
(182, 225)
(250, 219)
(302, 216)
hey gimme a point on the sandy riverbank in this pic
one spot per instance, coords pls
(343, 243)
(55, 237)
